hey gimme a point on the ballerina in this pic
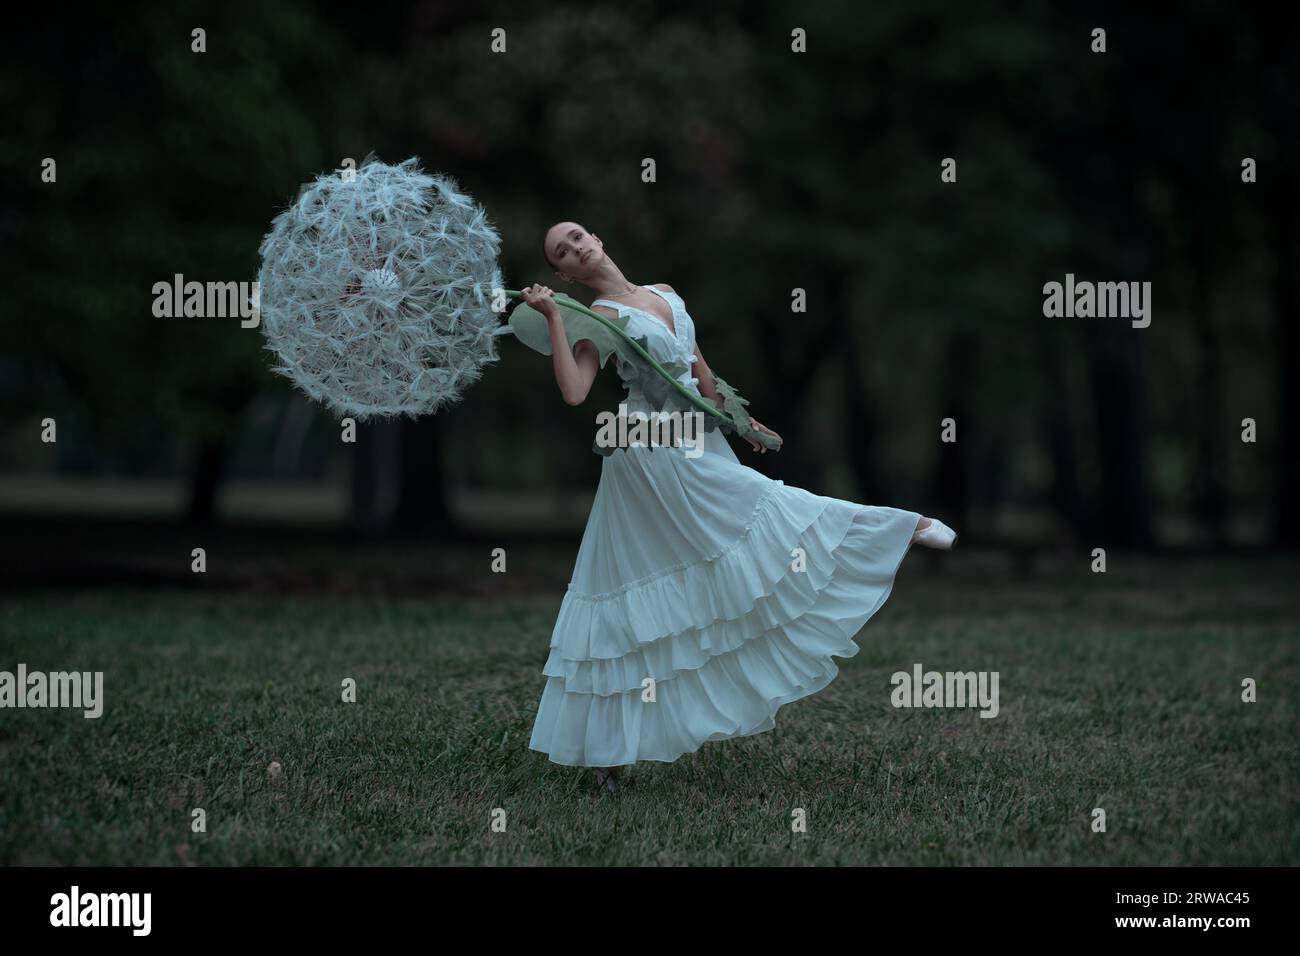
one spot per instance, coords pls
(705, 595)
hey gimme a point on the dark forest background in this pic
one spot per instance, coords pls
(776, 170)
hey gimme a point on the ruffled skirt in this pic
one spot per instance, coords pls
(705, 595)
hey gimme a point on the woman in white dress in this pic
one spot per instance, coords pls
(705, 595)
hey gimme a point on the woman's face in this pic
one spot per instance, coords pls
(575, 253)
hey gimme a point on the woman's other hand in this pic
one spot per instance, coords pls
(758, 446)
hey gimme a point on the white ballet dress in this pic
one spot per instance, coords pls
(705, 594)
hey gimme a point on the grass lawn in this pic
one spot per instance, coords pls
(1119, 691)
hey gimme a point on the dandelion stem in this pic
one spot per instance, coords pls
(696, 400)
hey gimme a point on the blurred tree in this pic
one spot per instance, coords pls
(775, 170)
(170, 161)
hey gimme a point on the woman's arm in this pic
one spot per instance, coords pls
(709, 389)
(576, 367)
(700, 369)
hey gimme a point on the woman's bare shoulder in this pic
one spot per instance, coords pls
(606, 311)
(664, 286)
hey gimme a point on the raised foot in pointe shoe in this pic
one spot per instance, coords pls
(936, 535)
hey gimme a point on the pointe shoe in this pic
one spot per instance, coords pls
(936, 535)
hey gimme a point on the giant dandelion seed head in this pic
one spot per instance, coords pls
(376, 290)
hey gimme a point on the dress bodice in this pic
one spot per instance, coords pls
(663, 344)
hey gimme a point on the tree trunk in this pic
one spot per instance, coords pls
(374, 477)
(422, 493)
(1059, 435)
(1286, 530)
(1209, 489)
(792, 355)
(1121, 514)
(951, 490)
(861, 431)
(205, 480)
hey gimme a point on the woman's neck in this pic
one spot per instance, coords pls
(610, 280)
